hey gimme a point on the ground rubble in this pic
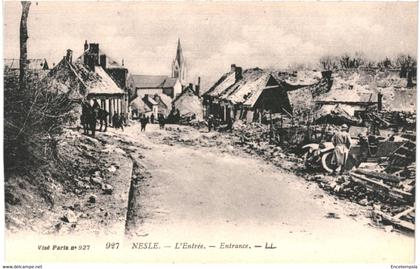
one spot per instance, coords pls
(389, 198)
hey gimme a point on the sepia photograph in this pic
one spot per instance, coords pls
(209, 132)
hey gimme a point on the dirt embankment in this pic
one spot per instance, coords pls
(139, 176)
(86, 190)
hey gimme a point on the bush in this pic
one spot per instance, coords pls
(33, 119)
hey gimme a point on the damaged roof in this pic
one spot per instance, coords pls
(298, 78)
(337, 113)
(164, 99)
(189, 103)
(149, 100)
(221, 85)
(250, 87)
(96, 82)
(140, 105)
(347, 96)
(246, 90)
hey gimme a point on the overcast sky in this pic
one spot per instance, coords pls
(214, 35)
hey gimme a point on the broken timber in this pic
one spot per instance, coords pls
(383, 176)
(382, 188)
(396, 220)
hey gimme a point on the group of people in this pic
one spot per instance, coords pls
(119, 120)
(91, 114)
(144, 120)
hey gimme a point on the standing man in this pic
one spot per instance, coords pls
(121, 121)
(210, 122)
(152, 119)
(103, 118)
(115, 120)
(342, 143)
(143, 123)
(161, 120)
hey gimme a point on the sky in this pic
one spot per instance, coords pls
(214, 35)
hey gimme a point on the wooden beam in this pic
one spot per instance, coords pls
(405, 212)
(392, 192)
(383, 176)
(396, 221)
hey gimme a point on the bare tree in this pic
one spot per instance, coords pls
(328, 62)
(407, 64)
(352, 61)
(345, 61)
(359, 59)
(23, 60)
(386, 63)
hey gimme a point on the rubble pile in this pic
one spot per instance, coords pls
(182, 135)
(398, 118)
(253, 140)
(387, 194)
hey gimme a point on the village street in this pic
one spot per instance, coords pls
(210, 196)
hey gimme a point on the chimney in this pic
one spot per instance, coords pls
(91, 56)
(86, 45)
(94, 48)
(122, 62)
(379, 102)
(197, 87)
(102, 61)
(69, 56)
(232, 68)
(238, 73)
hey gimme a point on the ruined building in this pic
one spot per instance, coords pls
(93, 76)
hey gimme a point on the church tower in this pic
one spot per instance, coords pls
(179, 68)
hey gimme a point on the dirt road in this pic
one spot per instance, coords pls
(206, 196)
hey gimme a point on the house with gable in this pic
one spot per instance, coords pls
(245, 95)
(92, 76)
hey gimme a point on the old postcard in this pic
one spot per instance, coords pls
(209, 132)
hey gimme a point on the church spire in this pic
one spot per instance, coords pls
(179, 56)
(179, 68)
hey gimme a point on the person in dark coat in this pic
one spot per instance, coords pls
(125, 118)
(161, 120)
(85, 117)
(143, 123)
(103, 119)
(92, 116)
(121, 121)
(152, 119)
(115, 120)
(210, 122)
